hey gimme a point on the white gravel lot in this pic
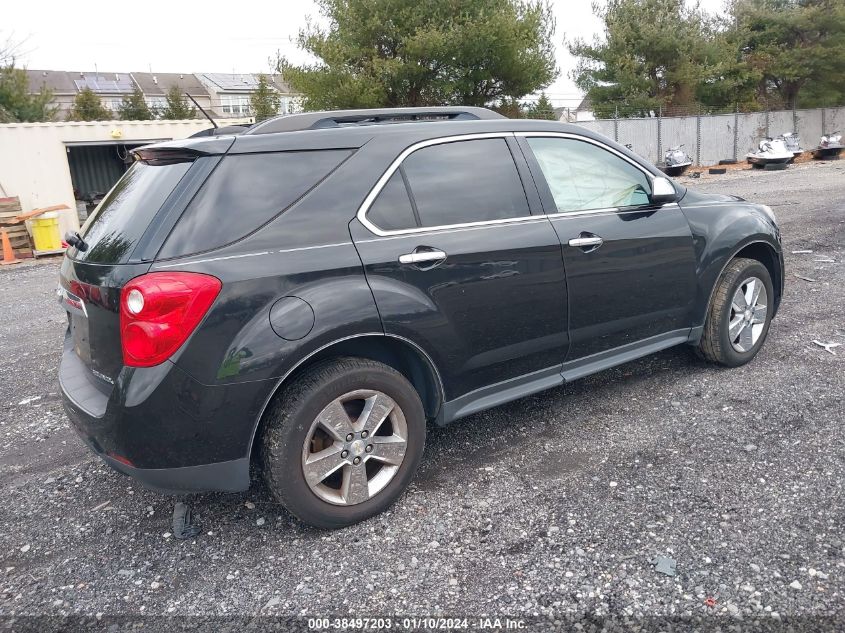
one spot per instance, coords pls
(548, 509)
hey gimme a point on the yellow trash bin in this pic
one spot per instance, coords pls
(45, 232)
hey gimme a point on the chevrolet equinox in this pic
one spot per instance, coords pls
(307, 294)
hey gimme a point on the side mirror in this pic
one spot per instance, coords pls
(663, 191)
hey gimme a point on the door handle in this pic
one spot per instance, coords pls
(586, 241)
(420, 256)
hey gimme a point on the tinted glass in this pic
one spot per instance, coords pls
(114, 228)
(392, 209)
(466, 181)
(583, 176)
(245, 192)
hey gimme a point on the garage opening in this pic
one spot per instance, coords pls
(95, 168)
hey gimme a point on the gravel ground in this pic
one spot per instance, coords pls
(549, 509)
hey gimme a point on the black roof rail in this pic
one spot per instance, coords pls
(343, 118)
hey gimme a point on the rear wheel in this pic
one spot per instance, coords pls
(739, 315)
(343, 441)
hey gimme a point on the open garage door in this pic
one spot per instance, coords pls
(95, 168)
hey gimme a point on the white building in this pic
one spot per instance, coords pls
(59, 163)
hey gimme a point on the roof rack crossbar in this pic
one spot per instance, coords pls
(343, 118)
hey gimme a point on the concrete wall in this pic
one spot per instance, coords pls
(33, 156)
(722, 136)
(717, 139)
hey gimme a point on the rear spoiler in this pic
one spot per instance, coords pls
(165, 156)
(222, 131)
(182, 151)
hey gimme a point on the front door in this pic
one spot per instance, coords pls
(459, 265)
(630, 264)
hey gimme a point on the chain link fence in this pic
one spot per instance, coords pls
(710, 137)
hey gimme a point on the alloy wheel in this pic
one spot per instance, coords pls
(749, 307)
(354, 447)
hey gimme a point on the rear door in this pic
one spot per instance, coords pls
(458, 263)
(630, 264)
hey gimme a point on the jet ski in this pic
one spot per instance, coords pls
(677, 161)
(770, 151)
(792, 143)
(829, 147)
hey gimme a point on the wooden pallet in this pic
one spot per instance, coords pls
(10, 208)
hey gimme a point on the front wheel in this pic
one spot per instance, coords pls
(739, 315)
(343, 441)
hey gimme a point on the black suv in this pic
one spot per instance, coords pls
(309, 293)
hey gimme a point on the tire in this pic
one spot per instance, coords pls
(330, 391)
(717, 343)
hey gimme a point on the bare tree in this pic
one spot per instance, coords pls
(10, 48)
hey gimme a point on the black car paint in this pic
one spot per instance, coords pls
(190, 422)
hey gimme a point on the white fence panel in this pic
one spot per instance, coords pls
(751, 129)
(676, 131)
(721, 136)
(642, 135)
(602, 126)
(780, 122)
(809, 127)
(834, 120)
(717, 139)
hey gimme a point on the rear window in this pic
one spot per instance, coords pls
(245, 192)
(115, 227)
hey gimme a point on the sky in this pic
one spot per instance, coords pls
(209, 37)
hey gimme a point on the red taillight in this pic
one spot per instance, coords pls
(158, 312)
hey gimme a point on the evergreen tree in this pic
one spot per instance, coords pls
(265, 100)
(134, 107)
(88, 107)
(541, 109)
(795, 49)
(377, 53)
(18, 104)
(651, 57)
(176, 107)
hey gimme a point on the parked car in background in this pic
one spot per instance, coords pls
(308, 294)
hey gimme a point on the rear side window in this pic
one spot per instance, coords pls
(245, 192)
(115, 227)
(466, 181)
(452, 183)
(392, 210)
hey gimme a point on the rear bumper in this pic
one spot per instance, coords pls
(230, 476)
(163, 428)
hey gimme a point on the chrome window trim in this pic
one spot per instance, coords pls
(382, 181)
(607, 148)
(592, 141)
(457, 227)
(569, 214)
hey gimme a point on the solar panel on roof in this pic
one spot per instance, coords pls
(228, 81)
(105, 83)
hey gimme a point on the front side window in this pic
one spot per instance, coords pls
(452, 183)
(584, 177)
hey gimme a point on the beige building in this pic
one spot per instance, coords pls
(230, 92)
(155, 87)
(60, 163)
(222, 95)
